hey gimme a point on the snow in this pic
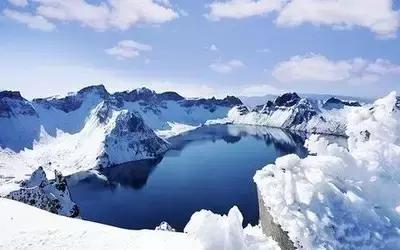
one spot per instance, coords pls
(226, 232)
(175, 129)
(83, 150)
(331, 122)
(30, 228)
(340, 198)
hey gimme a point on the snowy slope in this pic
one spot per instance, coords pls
(339, 198)
(31, 228)
(289, 111)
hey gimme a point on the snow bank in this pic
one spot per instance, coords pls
(226, 232)
(25, 226)
(339, 198)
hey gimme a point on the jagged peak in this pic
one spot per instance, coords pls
(287, 99)
(16, 95)
(99, 89)
(171, 95)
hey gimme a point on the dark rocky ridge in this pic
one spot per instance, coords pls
(12, 104)
(335, 103)
(144, 96)
(52, 196)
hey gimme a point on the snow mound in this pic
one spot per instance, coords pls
(52, 196)
(340, 198)
(226, 232)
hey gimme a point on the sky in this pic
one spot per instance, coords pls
(201, 48)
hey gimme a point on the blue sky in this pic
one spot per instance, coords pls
(201, 48)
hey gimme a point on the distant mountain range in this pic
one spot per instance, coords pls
(253, 101)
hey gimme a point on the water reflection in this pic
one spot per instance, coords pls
(209, 168)
(135, 174)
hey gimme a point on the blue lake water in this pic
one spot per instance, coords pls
(209, 168)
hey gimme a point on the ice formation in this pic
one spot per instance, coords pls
(340, 198)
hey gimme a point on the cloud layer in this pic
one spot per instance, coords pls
(375, 15)
(118, 14)
(226, 67)
(127, 49)
(316, 67)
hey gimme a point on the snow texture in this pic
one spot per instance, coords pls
(338, 198)
(226, 232)
(31, 228)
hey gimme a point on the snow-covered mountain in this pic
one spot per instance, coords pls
(93, 128)
(290, 111)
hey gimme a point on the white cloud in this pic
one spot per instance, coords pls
(213, 47)
(319, 68)
(260, 90)
(127, 49)
(32, 21)
(127, 13)
(242, 8)
(19, 3)
(375, 15)
(91, 15)
(226, 67)
(120, 14)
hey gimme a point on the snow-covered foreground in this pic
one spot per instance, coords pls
(339, 198)
(26, 227)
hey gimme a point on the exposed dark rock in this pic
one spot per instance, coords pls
(52, 196)
(243, 110)
(287, 100)
(97, 89)
(271, 229)
(170, 96)
(335, 103)
(13, 104)
(16, 95)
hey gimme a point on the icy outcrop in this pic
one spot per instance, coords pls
(290, 111)
(52, 196)
(340, 198)
(164, 226)
(226, 232)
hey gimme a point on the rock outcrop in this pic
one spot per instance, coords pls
(49, 195)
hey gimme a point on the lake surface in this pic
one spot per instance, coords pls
(209, 168)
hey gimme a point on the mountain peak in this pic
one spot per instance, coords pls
(287, 99)
(16, 95)
(99, 89)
